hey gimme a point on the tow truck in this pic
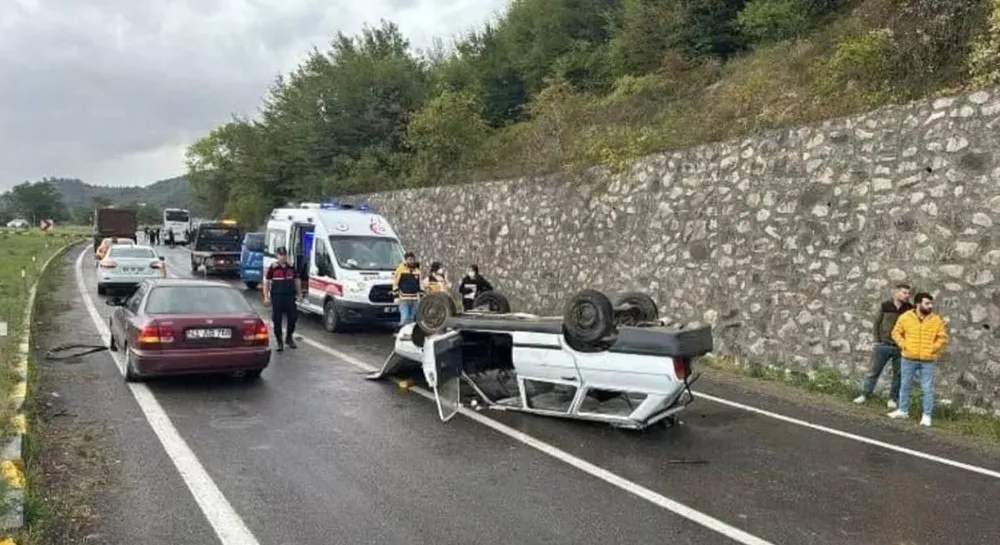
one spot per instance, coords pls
(216, 248)
(613, 362)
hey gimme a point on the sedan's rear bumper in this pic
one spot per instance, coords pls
(197, 361)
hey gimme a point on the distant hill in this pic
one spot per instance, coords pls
(169, 193)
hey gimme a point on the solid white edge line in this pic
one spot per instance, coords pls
(854, 437)
(227, 524)
(630, 487)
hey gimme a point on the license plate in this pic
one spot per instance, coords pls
(130, 270)
(389, 310)
(209, 333)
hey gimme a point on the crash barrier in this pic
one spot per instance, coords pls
(12, 454)
(5, 232)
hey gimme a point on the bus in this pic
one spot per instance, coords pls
(177, 220)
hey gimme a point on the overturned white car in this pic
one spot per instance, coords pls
(616, 363)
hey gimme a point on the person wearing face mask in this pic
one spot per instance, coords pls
(472, 285)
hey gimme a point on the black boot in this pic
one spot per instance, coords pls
(291, 343)
(281, 346)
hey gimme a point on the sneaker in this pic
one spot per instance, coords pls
(281, 347)
(891, 404)
(860, 399)
(897, 415)
(925, 420)
(291, 343)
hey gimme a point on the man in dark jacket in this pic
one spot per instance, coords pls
(885, 347)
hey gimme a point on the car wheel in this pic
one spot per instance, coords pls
(589, 317)
(418, 337)
(130, 373)
(101, 289)
(251, 285)
(433, 312)
(492, 301)
(331, 318)
(634, 308)
(112, 345)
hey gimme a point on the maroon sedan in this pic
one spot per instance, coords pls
(180, 327)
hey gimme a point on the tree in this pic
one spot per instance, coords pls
(446, 133)
(37, 201)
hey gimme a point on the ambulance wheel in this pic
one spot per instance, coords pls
(634, 308)
(588, 317)
(331, 317)
(251, 285)
(492, 301)
(433, 312)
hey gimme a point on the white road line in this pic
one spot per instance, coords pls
(854, 437)
(630, 487)
(228, 526)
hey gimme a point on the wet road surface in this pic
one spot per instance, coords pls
(315, 454)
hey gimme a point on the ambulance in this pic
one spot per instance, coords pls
(349, 253)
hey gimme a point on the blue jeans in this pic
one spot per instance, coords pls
(881, 355)
(407, 312)
(926, 370)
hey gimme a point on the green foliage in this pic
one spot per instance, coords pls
(767, 21)
(566, 84)
(984, 59)
(34, 202)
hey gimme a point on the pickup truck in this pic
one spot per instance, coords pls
(216, 248)
(114, 222)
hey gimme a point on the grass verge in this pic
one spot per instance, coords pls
(22, 255)
(34, 504)
(833, 387)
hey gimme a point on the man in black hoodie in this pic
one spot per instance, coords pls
(886, 348)
(472, 285)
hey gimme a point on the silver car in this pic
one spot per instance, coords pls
(126, 265)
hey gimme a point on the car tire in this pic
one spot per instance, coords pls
(130, 373)
(251, 285)
(493, 302)
(331, 317)
(433, 312)
(252, 375)
(112, 345)
(101, 289)
(418, 337)
(641, 308)
(588, 317)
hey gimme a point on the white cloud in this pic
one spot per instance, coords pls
(112, 91)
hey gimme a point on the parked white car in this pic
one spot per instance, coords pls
(17, 224)
(615, 363)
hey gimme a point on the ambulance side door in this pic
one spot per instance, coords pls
(322, 274)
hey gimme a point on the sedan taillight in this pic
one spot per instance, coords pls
(256, 333)
(153, 335)
(682, 368)
(156, 265)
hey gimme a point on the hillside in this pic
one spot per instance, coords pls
(172, 192)
(565, 84)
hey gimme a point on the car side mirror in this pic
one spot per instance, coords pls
(162, 258)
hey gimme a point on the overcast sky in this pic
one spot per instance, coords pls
(113, 91)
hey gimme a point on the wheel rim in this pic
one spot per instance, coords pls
(585, 316)
(434, 316)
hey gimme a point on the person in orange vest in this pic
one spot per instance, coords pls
(436, 280)
(406, 288)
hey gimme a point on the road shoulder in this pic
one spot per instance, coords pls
(96, 471)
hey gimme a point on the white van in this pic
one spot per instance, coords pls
(350, 254)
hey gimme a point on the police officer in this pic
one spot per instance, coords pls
(282, 287)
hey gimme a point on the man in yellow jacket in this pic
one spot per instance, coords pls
(921, 335)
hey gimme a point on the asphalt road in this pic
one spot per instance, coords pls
(315, 454)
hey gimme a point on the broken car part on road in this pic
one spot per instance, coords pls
(615, 363)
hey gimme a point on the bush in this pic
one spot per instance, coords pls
(984, 59)
(767, 21)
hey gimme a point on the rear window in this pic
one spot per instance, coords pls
(219, 239)
(197, 300)
(255, 242)
(131, 251)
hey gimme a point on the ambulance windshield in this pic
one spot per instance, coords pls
(361, 253)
